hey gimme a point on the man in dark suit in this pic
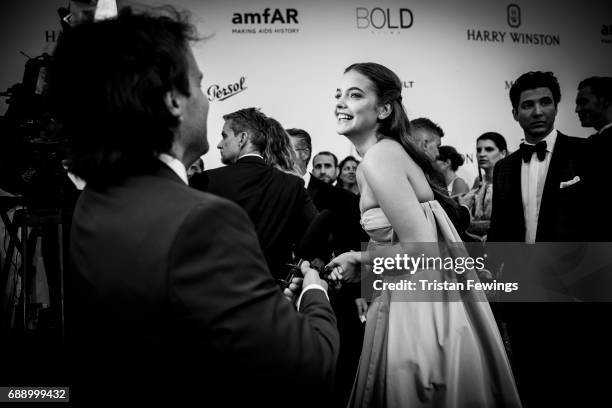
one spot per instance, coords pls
(594, 109)
(541, 194)
(347, 235)
(276, 202)
(172, 297)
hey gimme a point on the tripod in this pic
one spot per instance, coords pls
(24, 230)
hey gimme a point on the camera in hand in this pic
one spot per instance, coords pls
(293, 270)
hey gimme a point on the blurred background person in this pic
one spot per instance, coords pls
(427, 135)
(448, 161)
(195, 167)
(259, 177)
(490, 148)
(347, 179)
(279, 152)
(325, 167)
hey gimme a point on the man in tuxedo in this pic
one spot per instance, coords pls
(276, 202)
(172, 297)
(540, 194)
(347, 235)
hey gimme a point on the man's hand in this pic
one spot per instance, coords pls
(295, 287)
(311, 276)
(362, 309)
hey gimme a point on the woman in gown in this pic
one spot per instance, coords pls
(415, 353)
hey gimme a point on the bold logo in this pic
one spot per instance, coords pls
(222, 93)
(377, 18)
(267, 17)
(514, 15)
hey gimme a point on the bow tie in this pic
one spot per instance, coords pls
(527, 150)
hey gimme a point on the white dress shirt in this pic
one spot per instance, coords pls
(306, 177)
(600, 131)
(533, 177)
(175, 165)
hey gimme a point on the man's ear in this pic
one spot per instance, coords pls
(174, 104)
(337, 173)
(244, 138)
(515, 114)
(384, 111)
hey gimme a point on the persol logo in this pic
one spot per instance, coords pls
(514, 15)
(221, 93)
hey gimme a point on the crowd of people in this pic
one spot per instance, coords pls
(242, 283)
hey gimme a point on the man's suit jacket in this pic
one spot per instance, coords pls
(173, 294)
(600, 146)
(276, 202)
(564, 212)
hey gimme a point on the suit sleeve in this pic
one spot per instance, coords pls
(225, 295)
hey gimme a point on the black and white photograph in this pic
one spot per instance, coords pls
(305, 203)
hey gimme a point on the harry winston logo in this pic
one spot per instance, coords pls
(514, 15)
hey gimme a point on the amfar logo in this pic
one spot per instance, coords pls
(267, 17)
(514, 15)
(387, 19)
(222, 93)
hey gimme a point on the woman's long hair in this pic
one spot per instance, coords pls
(278, 152)
(396, 126)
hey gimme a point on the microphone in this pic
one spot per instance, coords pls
(314, 242)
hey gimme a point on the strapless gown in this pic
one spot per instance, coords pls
(431, 353)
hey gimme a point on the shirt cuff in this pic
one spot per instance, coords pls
(311, 286)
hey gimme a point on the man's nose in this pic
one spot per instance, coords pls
(537, 109)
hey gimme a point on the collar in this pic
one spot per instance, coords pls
(600, 131)
(306, 177)
(550, 139)
(250, 154)
(175, 165)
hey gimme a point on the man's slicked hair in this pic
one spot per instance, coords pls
(533, 80)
